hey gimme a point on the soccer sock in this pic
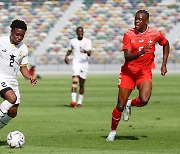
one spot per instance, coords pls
(4, 107)
(128, 103)
(73, 95)
(4, 120)
(116, 116)
(80, 99)
(137, 102)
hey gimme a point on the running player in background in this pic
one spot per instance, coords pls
(32, 71)
(13, 57)
(139, 47)
(80, 47)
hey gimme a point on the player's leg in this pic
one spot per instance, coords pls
(123, 96)
(82, 78)
(75, 80)
(9, 100)
(7, 111)
(12, 112)
(81, 91)
(145, 89)
(144, 85)
(126, 85)
(143, 98)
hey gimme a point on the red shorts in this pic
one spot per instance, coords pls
(131, 77)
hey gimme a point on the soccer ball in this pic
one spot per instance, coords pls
(15, 139)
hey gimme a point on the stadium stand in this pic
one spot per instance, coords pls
(39, 15)
(104, 22)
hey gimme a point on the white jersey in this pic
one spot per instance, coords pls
(11, 57)
(76, 46)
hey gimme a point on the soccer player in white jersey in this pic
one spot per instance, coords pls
(13, 57)
(80, 47)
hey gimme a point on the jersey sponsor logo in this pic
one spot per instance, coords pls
(132, 41)
(4, 50)
(141, 40)
(150, 41)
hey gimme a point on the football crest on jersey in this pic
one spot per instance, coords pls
(133, 41)
(4, 50)
(12, 56)
(150, 41)
(20, 53)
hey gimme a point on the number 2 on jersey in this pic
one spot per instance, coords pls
(3, 84)
(140, 48)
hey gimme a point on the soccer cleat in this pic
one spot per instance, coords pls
(111, 135)
(79, 105)
(73, 104)
(127, 110)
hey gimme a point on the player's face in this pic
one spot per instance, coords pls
(17, 35)
(80, 33)
(140, 22)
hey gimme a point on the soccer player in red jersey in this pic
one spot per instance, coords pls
(139, 47)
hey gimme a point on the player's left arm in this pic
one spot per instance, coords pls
(88, 52)
(165, 58)
(25, 72)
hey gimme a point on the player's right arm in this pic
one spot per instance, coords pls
(127, 48)
(66, 59)
(25, 72)
(70, 48)
(128, 55)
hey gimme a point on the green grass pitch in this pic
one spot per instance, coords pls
(51, 126)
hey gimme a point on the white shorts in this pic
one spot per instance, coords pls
(12, 83)
(80, 70)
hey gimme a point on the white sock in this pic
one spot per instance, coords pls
(4, 107)
(73, 95)
(113, 132)
(129, 102)
(80, 99)
(4, 120)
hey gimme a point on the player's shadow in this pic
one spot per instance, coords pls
(124, 137)
(2, 143)
(127, 138)
(66, 105)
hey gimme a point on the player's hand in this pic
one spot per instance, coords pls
(163, 70)
(33, 80)
(82, 50)
(88, 52)
(145, 49)
(66, 60)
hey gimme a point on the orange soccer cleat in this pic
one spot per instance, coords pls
(73, 104)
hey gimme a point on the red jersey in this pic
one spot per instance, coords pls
(135, 41)
(32, 71)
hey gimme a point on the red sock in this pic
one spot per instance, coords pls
(116, 116)
(137, 102)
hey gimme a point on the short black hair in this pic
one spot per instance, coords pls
(18, 24)
(79, 28)
(145, 12)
